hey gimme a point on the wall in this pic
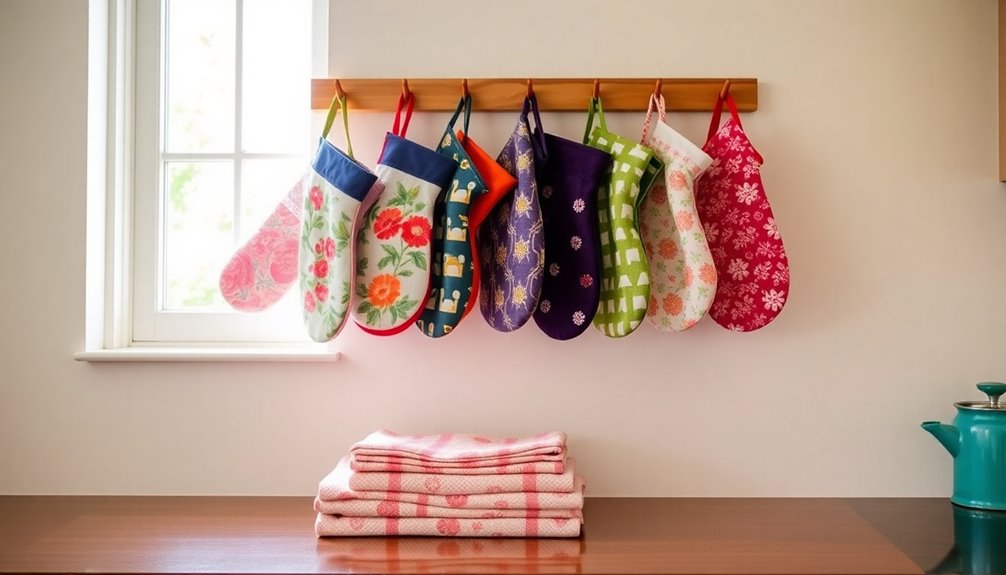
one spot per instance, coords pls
(877, 124)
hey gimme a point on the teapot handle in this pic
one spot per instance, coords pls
(993, 390)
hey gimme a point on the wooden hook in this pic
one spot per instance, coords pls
(339, 92)
(530, 87)
(405, 89)
(597, 88)
(658, 88)
(464, 88)
(726, 89)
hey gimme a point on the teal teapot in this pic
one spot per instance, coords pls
(977, 442)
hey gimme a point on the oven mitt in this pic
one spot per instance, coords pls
(499, 183)
(393, 245)
(338, 187)
(511, 244)
(751, 262)
(625, 281)
(264, 268)
(451, 277)
(568, 178)
(682, 274)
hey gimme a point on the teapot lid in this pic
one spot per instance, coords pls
(993, 390)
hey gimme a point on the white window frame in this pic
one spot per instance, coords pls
(119, 153)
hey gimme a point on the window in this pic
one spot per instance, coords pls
(222, 129)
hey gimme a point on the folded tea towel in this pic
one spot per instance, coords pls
(446, 484)
(391, 508)
(335, 487)
(387, 555)
(330, 525)
(516, 465)
(458, 450)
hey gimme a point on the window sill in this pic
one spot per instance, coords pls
(189, 354)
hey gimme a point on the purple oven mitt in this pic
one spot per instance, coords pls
(511, 243)
(569, 174)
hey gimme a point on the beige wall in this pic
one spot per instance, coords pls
(877, 122)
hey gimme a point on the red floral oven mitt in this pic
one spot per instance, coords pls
(747, 249)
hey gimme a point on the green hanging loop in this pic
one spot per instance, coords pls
(339, 101)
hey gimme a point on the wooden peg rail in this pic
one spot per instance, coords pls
(554, 94)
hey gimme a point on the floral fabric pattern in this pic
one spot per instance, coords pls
(743, 236)
(568, 175)
(682, 273)
(394, 241)
(330, 211)
(262, 270)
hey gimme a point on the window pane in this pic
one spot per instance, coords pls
(198, 232)
(199, 76)
(276, 76)
(264, 184)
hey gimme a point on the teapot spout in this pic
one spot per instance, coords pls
(945, 434)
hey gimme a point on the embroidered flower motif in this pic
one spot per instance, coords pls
(546, 192)
(689, 276)
(586, 280)
(738, 269)
(553, 269)
(707, 273)
(519, 295)
(329, 248)
(684, 220)
(579, 317)
(521, 249)
(309, 303)
(500, 255)
(387, 223)
(747, 193)
(672, 304)
(321, 292)
(579, 205)
(283, 267)
(383, 291)
(498, 298)
(416, 231)
(668, 248)
(772, 229)
(320, 269)
(658, 193)
(316, 197)
(575, 242)
(773, 300)
(676, 181)
(545, 306)
(522, 205)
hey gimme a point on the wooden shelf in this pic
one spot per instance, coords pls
(44, 534)
(554, 94)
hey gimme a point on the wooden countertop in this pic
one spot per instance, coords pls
(275, 535)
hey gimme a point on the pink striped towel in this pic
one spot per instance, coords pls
(514, 466)
(454, 450)
(330, 525)
(390, 508)
(335, 487)
(444, 484)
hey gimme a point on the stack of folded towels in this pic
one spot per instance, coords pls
(452, 485)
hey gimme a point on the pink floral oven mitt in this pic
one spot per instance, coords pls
(393, 245)
(682, 272)
(264, 268)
